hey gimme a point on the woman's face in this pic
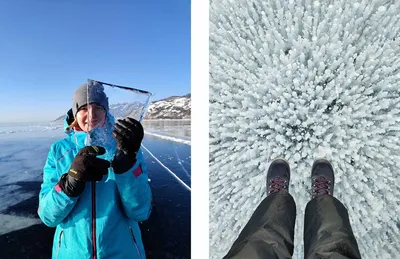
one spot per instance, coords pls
(91, 116)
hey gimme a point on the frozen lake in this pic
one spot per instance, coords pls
(23, 152)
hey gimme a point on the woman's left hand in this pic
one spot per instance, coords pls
(129, 134)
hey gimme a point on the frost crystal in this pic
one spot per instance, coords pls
(303, 79)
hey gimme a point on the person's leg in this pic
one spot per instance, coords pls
(327, 229)
(270, 231)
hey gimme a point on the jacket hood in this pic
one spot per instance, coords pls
(68, 119)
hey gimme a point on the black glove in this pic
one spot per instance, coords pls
(129, 134)
(85, 167)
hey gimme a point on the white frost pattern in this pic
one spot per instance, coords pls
(302, 79)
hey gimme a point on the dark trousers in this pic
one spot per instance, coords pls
(270, 230)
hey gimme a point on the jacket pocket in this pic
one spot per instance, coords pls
(135, 243)
(59, 242)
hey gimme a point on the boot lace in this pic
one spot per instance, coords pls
(321, 186)
(277, 184)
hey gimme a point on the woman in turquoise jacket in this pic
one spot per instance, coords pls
(95, 204)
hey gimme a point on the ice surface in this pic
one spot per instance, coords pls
(173, 128)
(22, 157)
(301, 80)
(10, 223)
(174, 139)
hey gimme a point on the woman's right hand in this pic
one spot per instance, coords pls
(85, 167)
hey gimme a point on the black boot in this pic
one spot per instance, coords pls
(327, 229)
(278, 176)
(322, 178)
(270, 231)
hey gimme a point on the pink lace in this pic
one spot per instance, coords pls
(276, 185)
(321, 186)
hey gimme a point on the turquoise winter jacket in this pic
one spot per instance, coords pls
(103, 221)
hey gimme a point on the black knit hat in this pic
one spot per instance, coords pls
(96, 95)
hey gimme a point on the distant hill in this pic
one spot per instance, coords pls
(173, 107)
(60, 118)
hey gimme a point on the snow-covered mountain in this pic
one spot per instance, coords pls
(174, 107)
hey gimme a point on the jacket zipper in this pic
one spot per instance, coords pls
(134, 241)
(59, 242)
(94, 220)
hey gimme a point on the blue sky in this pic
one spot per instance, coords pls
(49, 48)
